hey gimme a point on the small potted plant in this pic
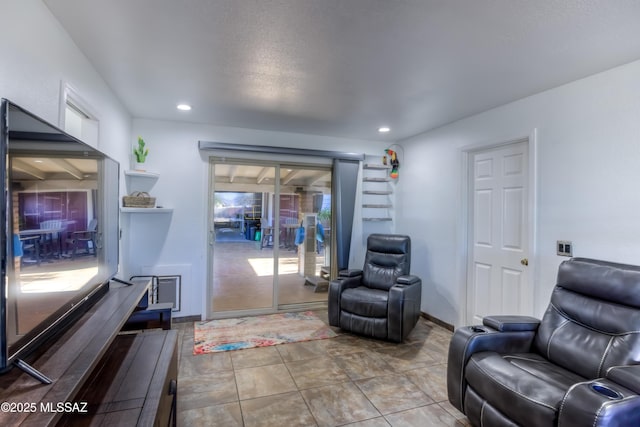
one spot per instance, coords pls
(141, 152)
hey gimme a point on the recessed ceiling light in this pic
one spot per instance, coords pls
(37, 161)
(384, 129)
(183, 107)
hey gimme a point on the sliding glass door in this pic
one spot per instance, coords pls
(242, 276)
(304, 255)
(270, 235)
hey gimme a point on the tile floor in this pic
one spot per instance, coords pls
(342, 381)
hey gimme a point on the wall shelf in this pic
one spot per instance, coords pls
(376, 166)
(378, 192)
(146, 210)
(142, 174)
(377, 203)
(141, 181)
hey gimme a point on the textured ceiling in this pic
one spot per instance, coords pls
(344, 67)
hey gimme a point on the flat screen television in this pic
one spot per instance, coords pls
(60, 232)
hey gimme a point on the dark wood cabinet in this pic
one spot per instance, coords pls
(100, 375)
(135, 384)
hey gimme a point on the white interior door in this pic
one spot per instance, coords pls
(497, 281)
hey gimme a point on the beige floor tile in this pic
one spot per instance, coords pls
(316, 372)
(339, 404)
(252, 357)
(347, 342)
(437, 349)
(406, 357)
(212, 389)
(226, 415)
(204, 364)
(431, 380)
(317, 382)
(425, 330)
(393, 393)
(186, 346)
(373, 422)
(363, 365)
(425, 416)
(453, 411)
(303, 350)
(263, 381)
(288, 409)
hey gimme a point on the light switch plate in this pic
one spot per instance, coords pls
(564, 248)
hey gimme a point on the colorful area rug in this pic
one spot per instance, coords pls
(258, 331)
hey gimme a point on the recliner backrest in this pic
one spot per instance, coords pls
(388, 257)
(593, 319)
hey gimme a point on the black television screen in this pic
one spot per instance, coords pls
(60, 230)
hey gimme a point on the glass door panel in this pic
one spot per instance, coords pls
(304, 261)
(260, 262)
(242, 267)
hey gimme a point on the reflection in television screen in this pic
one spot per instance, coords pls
(55, 217)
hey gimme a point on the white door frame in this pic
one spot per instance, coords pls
(463, 240)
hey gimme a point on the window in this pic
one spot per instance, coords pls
(76, 117)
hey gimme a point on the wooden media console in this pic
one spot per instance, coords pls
(99, 375)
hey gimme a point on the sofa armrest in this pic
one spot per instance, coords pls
(627, 376)
(352, 272)
(408, 279)
(336, 287)
(599, 403)
(468, 340)
(403, 309)
(511, 323)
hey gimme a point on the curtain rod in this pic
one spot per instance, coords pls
(210, 146)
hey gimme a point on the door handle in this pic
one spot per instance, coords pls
(524, 261)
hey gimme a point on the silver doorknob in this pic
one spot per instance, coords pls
(524, 261)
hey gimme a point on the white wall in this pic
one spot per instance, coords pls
(588, 170)
(37, 55)
(177, 241)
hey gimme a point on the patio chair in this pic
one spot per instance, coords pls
(85, 240)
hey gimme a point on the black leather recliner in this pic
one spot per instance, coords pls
(579, 366)
(382, 300)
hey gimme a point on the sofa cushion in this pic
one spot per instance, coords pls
(375, 327)
(525, 387)
(595, 307)
(603, 331)
(365, 302)
(482, 413)
(387, 258)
